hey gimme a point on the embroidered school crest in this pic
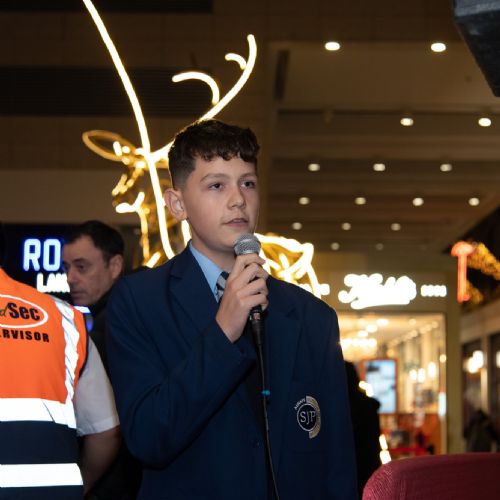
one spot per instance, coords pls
(309, 416)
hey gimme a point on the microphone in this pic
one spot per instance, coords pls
(245, 244)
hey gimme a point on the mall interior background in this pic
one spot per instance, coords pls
(338, 169)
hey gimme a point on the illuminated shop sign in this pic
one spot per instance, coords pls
(433, 291)
(43, 256)
(371, 290)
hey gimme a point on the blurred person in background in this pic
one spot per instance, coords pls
(366, 427)
(480, 433)
(93, 261)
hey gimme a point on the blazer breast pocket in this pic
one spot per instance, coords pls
(304, 420)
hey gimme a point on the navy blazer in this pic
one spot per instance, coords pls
(185, 412)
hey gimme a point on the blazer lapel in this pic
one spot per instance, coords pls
(281, 337)
(192, 293)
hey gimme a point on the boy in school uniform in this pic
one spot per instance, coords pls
(184, 366)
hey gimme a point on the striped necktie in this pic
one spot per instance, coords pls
(221, 284)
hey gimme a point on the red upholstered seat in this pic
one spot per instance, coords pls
(466, 476)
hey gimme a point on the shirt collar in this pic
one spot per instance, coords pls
(211, 271)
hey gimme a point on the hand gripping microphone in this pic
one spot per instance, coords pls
(249, 243)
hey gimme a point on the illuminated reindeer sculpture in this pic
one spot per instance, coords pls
(476, 256)
(140, 189)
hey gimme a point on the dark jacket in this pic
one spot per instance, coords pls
(366, 428)
(185, 410)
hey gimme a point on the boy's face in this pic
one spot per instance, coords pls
(220, 200)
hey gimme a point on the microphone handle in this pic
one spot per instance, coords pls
(255, 318)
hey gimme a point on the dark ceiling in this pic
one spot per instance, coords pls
(342, 110)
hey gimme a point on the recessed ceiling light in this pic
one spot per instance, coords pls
(304, 200)
(346, 226)
(446, 167)
(438, 47)
(360, 200)
(418, 202)
(297, 226)
(313, 167)
(395, 226)
(484, 121)
(335, 246)
(379, 167)
(379, 246)
(474, 201)
(332, 45)
(406, 121)
(382, 321)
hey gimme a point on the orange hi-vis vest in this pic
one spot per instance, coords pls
(43, 347)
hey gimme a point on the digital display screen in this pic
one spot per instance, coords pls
(381, 375)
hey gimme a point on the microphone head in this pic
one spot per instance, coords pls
(247, 243)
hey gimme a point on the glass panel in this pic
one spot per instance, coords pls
(494, 389)
(416, 346)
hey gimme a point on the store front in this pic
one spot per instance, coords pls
(402, 359)
(399, 328)
(480, 336)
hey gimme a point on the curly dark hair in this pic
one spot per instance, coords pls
(208, 139)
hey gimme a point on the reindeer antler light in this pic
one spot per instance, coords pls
(287, 259)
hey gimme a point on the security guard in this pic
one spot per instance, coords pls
(52, 388)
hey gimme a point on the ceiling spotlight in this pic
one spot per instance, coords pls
(360, 200)
(379, 167)
(313, 167)
(446, 167)
(484, 121)
(438, 47)
(297, 226)
(346, 226)
(406, 121)
(474, 201)
(395, 226)
(418, 202)
(379, 246)
(332, 46)
(304, 200)
(335, 246)
(382, 321)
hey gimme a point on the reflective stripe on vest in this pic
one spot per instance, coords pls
(39, 475)
(72, 336)
(37, 410)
